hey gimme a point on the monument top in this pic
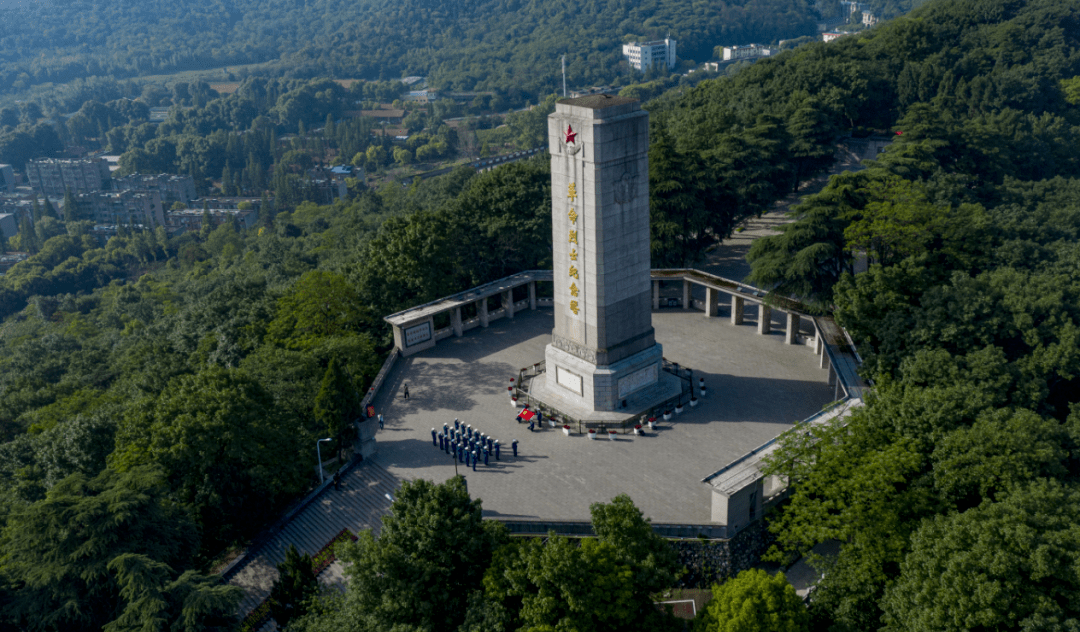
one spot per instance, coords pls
(597, 101)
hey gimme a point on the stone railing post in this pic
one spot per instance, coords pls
(792, 334)
(764, 321)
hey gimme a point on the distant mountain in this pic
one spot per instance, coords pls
(459, 44)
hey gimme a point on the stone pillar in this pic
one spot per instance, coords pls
(482, 309)
(656, 295)
(687, 297)
(825, 360)
(603, 347)
(764, 319)
(819, 344)
(455, 321)
(737, 305)
(532, 294)
(508, 303)
(712, 297)
(792, 333)
(399, 338)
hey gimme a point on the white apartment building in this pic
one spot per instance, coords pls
(749, 51)
(644, 56)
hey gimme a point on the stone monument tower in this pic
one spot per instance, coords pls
(603, 356)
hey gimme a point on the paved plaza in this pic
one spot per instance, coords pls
(757, 387)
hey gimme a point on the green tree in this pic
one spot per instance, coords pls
(402, 156)
(430, 556)
(27, 237)
(680, 220)
(206, 225)
(59, 550)
(320, 304)
(231, 456)
(812, 132)
(156, 600)
(337, 403)
(1009, 565)
(654, 563)
(294, 589)
(71, 211)
(606, 583)
(754, 602)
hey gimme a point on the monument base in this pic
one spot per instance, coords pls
(610, 394)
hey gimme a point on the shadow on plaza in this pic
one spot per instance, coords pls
(734, 398)
(441, 386)
(501, 334)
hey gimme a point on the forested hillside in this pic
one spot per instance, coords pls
(475, 45)
(163, 394)
(955, 491)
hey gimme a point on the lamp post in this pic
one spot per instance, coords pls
(318, 453)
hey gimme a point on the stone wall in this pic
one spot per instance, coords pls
(711, 561)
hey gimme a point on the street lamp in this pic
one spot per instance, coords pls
(318, 453)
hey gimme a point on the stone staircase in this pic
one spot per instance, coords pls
(358, 505)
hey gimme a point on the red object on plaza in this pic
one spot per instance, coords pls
(526, 415)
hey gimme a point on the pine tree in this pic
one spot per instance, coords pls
(27, 236)
(294, 589)
(226, 181)
(48, 211)
(336, 402)
(329, 132)
(71, 213)
(36, 210)
(205, 227)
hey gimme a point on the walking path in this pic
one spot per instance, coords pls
(728, 259)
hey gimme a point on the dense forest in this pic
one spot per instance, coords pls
(479, 45)
(155, 392)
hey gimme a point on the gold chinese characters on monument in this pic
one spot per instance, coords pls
(573, 239)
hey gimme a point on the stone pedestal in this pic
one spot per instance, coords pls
(365, 445)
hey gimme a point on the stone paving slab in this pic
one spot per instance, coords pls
(757, 387)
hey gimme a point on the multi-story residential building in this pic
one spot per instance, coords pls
(120, 207)
(745, 52)
(52, 177)
(191, 218)
(172, 188)
(7, 179)
(645, 56)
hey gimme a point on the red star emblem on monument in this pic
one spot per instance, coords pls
(570, 135)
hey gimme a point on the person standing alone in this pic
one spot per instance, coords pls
(406, 394)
